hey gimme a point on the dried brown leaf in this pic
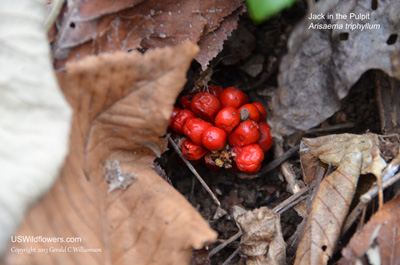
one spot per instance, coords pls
(122, 103)
(211, 44)
(147, 25)
(384, 227)
(322, 65)
(262, 240)
(353, 155)
(328, 211)
(86, 10)
(331, 149)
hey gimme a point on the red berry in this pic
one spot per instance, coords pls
(185, 100)
(215, 90)
(194, 129)
(248, 158)
(175, 111)
(261, 109)
(214, 139)
(252, 112)
(233, 97)
(180, 120)
(205, 106)
(247, 132)
(266, 140)
(192, 151)
(227, 119)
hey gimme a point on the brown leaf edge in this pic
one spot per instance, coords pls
(149, 222)
(388, 238)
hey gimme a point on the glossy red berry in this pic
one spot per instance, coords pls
(266, 140)
(194, 129)
(233, 97)
(180, 120)
(205, 106)
(227, 119)
(261, 109)
(249, 112)
(248, 158)
(247, 132)
(192, 151)
(185, 100)
(214, 138)
(215, 90)
(175, 111)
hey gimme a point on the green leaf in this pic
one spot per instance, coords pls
(260, 10)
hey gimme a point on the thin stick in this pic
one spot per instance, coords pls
(190, 166)
(224, 244)
(364, 200)
(277, 161)
(289, 201)
(229, 259)
(332, 128)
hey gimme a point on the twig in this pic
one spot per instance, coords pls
(365, 199)
(224, 244)
(332, 128)
(229, 259)
(277, 161)
(286, 204)
(190, 166)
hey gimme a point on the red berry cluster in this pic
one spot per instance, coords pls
(211, 119)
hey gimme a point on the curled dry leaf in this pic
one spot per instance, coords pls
(122, 103)
(262, 241)
(322, 65)
(387, 223)
(146, 24)
(353, 155)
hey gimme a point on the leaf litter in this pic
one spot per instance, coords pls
(85, 31)
(120, 101)
(144, 25)
(322, 65)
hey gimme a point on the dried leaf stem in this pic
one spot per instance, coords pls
(194, 171)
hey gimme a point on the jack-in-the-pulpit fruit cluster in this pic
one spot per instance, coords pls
(223, 128)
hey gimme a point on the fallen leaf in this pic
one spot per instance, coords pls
(262, 240)
(387, 222)
(122, 103)
(146, 24)
(353, 155)
(322, 65)
(211, 44)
